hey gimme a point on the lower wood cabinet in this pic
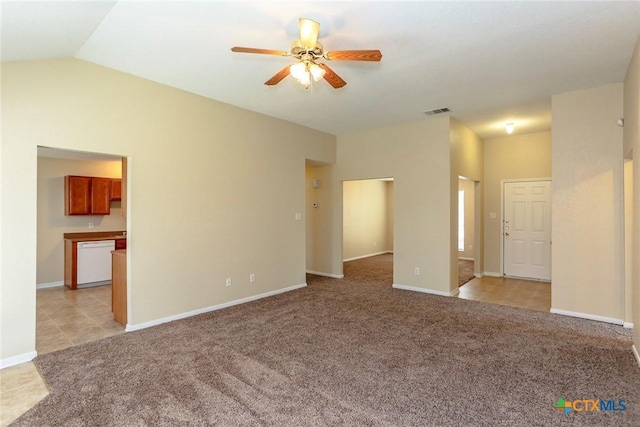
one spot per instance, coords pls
(71, 264)
(71, 252)
(119, 286)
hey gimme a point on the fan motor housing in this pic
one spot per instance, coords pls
(299, 51)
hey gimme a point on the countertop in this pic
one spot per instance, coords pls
(95, 235)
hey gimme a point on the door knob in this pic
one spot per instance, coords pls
(506, 234)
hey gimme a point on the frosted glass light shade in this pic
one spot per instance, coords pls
(297, 70)
(316, 71)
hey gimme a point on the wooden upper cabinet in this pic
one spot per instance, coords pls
(86, 195)
(100, 196)
(77, 195)
(116, 189)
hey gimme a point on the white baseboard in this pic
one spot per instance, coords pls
(588, 316)
(628, 325)
(17, 360)
(478, 275)
(464, 258)
(50, 285)
(492, 274)
(318, 273)
(130, 327)
(367, 256)
(425, 291)
(635, 353)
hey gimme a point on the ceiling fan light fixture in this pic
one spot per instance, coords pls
(305, 80)
(307, 50)
(300, 72)
(316, 71)
(297, 70)
(304, 71)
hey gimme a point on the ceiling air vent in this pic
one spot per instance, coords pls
(437, 111)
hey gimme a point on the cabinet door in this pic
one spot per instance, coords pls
(116, 189)
(77, 195)
(100, 196)
(121, 244)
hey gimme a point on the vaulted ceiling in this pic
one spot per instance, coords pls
(489, 62)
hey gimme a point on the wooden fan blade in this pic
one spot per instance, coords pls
(354, 55)
(262, 51)
(277, 78)
(330, 76)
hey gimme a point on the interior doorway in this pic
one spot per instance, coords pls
(367, 218)
(526, 229)
(467, 266)
(67, 317)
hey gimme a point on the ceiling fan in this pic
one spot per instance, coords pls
(308, 51)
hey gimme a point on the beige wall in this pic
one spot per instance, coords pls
(587, 203)
(366, 225)
(53, 223)
(213, 189)
(508, 158)
(469, 218)
(632, 149)
(415, 155)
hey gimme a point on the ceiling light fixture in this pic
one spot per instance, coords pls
(509, 127)
(304, 70)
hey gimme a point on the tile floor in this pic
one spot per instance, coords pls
(519, 293)
(21, 387)
(64, 318)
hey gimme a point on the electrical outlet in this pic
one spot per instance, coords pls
(228, 281)
(416, 271)
(252, 278)
(91, 225)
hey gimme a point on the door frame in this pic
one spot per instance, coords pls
(502, 183)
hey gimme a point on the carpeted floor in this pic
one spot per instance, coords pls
(352, 351)
(465, 271)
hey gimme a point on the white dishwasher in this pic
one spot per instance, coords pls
(94, 262)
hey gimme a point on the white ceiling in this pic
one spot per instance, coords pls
(489, 62)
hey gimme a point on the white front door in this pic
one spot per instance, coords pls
(526, 229)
